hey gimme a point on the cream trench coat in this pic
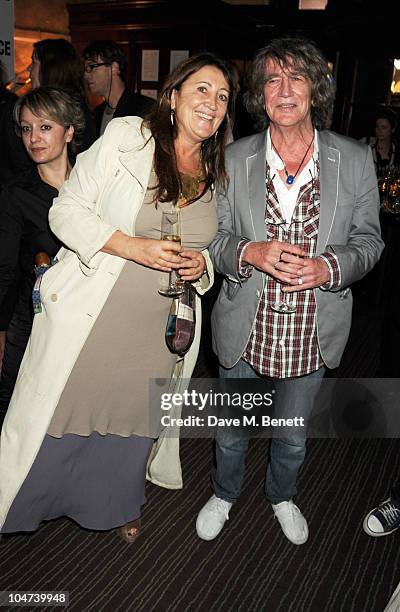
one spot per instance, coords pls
(104, 193)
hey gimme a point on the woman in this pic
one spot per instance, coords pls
(50, 123)
(93, 428)
(55, 63)
(383, 145)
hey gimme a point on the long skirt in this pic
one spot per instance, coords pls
(98, 481)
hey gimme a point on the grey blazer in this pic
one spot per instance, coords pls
(348, 225)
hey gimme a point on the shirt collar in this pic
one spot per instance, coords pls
(273, 159)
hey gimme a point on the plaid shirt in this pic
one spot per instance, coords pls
(286, 345)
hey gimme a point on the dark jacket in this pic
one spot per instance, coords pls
(13, 157)
(130, 104)
(24, 231)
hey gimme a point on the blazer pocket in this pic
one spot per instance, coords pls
(230, 288)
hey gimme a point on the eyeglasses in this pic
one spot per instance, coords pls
(90, 67)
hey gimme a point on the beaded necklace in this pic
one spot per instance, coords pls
(290, 178)
(190, 186)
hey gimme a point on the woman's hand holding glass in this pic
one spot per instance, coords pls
(157, 254)
(193, 265)
(166, 256)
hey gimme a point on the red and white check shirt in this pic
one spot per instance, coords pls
(286, 345)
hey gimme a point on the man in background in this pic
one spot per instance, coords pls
(105, 75)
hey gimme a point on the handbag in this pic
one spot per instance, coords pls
(181, 322)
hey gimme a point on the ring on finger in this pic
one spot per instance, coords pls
(300, 281)
(280, 257)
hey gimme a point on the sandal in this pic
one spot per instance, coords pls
(130, 532)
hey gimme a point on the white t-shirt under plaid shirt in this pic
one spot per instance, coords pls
(286, 345)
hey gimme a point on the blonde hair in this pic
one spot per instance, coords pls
(58, 105)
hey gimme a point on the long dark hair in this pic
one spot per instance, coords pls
(299, 54)
(60, 65)
(164, 132)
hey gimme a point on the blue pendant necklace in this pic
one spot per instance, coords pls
(290, 178)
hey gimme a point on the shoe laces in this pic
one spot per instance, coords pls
(220, 506)
(294, 511)
(290, 511)
(390, 512)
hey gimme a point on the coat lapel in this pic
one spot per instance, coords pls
(329, 175)
(255, 169)
(130, 154)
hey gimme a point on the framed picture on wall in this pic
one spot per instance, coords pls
(176, 56)
(150, 64)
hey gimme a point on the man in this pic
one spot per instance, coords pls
(298, 224)
(105, 75)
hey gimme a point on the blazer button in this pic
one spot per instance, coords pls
(54, 297)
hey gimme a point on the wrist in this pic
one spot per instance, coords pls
(246, 253)
(129, 247)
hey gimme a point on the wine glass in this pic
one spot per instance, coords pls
(171, 230)
(393, 201)
(283, 305)
(383, 187)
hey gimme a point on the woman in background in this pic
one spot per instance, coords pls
(50, 123)
(55, 63)
(384, 151)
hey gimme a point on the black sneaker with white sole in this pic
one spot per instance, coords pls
(382, 520)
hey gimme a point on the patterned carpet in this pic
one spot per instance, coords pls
(251, 566)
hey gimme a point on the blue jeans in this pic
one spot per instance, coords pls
(286, 454)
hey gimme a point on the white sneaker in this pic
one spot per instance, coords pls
(212, 518)
(293, 523)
